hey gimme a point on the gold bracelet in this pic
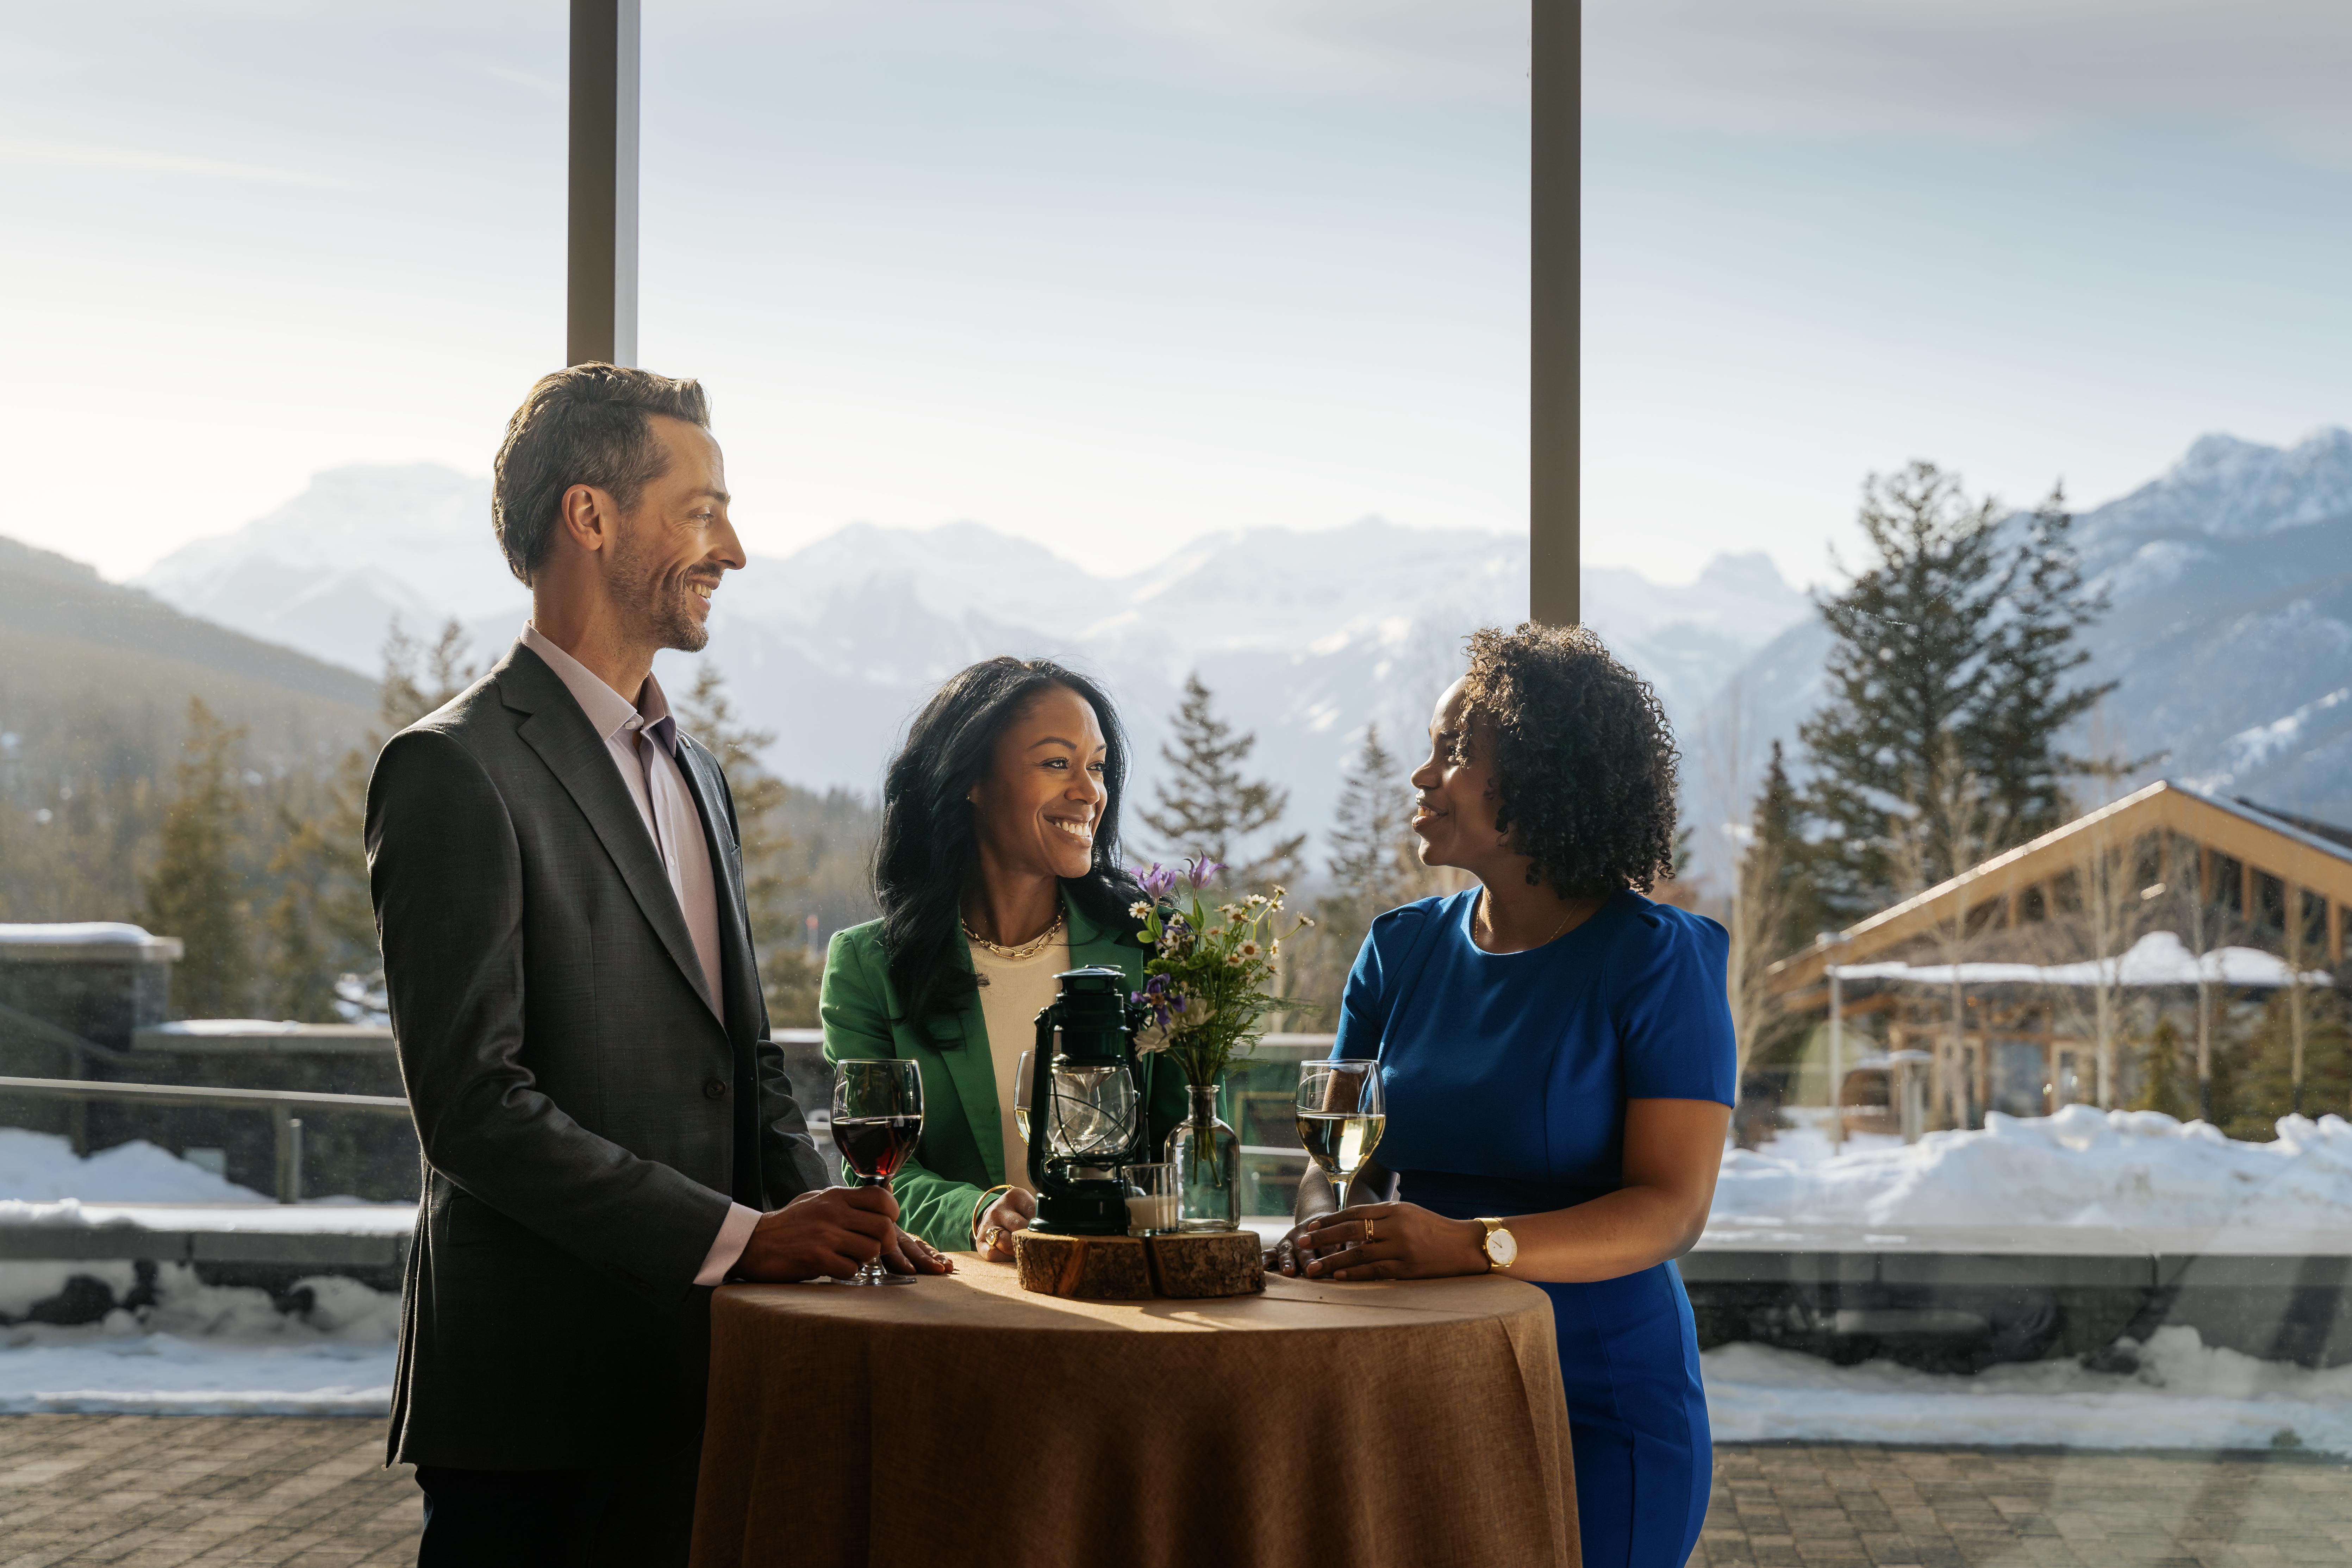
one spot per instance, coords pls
(981, 1207)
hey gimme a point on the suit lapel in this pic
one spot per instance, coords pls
(739, 965)
(556, 728)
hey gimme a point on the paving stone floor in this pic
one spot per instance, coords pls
(1820, 1505)
(145, 1491)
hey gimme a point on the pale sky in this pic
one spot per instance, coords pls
(1109, 274)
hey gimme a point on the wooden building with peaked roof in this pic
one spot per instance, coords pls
(2220, 872)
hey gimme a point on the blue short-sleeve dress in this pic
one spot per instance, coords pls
(1507, 1076)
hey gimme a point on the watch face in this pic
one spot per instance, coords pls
(1503, 1248)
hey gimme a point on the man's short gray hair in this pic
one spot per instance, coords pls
(590, 425)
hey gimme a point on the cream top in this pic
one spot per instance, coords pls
(1011, 995)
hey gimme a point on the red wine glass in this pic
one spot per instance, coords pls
(878, 1118)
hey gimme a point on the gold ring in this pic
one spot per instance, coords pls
(994, 1236)
(1369, 1237)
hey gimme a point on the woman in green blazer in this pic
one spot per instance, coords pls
(998, 868)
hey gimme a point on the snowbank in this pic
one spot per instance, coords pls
(2081, 1167)
(41, 1167)
(312, 1216)
(75, 933)
(2183, 1396)
(208, 1350)
(2159, 958)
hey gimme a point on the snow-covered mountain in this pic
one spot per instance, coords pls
(2229, 580)
(1305, 637)
(329, 571)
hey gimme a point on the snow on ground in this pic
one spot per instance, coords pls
(2080, 1167)
(44, 1182)
(2184, 1395)
(202, 1349)
(208, 1350)
(332, 1217)
(41, 1167)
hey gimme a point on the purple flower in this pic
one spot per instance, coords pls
(1159, 880)
(1202, 869)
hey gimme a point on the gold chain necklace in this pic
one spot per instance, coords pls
(1487, 909)
(1026, 949)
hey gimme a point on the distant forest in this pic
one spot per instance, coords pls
(226, 811)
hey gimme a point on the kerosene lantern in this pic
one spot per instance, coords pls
(1086, 1119)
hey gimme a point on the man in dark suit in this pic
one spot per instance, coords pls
(606, 1126)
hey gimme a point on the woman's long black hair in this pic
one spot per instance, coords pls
(928, 852)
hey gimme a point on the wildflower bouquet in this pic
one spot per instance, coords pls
(1208, 978)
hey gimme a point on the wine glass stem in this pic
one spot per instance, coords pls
(871, 1270)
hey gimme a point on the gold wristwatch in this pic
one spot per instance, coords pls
(1502, 1246)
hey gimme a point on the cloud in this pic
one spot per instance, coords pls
(1417, 47)
(1966, 68)
(134, 161)
(530, 81)
(1997, 68)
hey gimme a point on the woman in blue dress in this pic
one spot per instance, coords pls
(1557, 1055)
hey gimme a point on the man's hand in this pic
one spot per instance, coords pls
(833, 1230)
(911, 1254)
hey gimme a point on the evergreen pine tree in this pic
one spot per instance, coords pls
(787, 976)
(418, 677)
(1951, 657)
(1777, 858)
(1773, 915)
(319, 925)
(1374, 867)
(2028, 703)
(2165, 1081)
(312, 939)
(1206, 807)
(2265, 1091)
(195, 891)
(1373, 864)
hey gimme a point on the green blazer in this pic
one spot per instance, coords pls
(962, 1152)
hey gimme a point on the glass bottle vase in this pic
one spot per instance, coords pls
(1207, 1155)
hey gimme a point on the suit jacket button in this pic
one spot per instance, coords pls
(714, 1089)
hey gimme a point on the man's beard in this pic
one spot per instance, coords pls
(660, 608)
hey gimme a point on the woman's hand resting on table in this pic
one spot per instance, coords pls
(992, 1236)
(1405, 1242)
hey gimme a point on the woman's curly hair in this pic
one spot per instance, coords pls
(1584, 762)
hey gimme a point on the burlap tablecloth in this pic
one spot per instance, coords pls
(964, 1423)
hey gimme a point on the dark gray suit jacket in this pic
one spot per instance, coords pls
(586, 1118)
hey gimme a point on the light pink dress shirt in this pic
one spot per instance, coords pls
(642, 737)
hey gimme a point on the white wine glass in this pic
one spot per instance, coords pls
(1021, 1087)
(877, 1119)
(1341, 1115)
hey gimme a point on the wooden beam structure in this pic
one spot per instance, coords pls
(1555, 307)
(601, 218)
(2303, 860)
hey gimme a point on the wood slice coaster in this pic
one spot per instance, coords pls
(1218, 1263)
(1083, 1268)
